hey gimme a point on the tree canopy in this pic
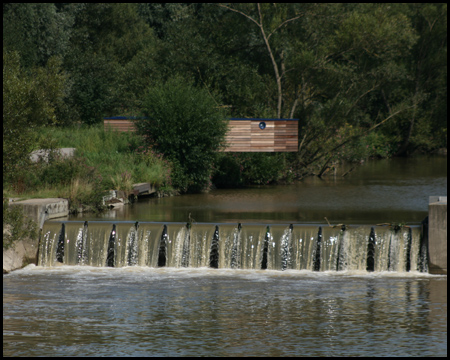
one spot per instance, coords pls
(364, 79)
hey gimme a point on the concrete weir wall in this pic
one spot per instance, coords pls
(437, 235)
(38, 210)
(25, 251)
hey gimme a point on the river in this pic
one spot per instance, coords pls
(380, 191)
(175, 311)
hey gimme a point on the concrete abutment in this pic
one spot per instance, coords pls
(437, 235)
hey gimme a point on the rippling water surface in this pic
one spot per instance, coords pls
(380, 191)
(135, 311)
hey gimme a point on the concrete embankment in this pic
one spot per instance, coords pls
(25, 250)
(43, 155)
(437, 235)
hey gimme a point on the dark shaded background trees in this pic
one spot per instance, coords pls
(364, 79)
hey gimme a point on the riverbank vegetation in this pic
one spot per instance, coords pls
(364, 80)
(16, 226)
(103, 160)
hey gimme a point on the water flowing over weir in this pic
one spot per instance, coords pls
(233, 246)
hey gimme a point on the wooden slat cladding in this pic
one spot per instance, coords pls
(244, 135)
(247, 136)
(119, 125)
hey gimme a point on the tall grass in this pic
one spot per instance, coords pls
(103, 160)
(112, 154)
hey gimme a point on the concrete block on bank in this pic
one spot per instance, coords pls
(21, 253)
(43, 154)
(40, 210)
(25, 250)
(112, 194)
(114, 203)
(437, 234)
(116, 198)
(144, 189)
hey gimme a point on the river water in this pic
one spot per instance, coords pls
(145, 311)
(134, 311)
(395, 190)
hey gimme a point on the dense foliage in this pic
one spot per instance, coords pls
(30, 100)
(183, 123)
(364, 79)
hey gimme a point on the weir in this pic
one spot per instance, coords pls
(234, 246)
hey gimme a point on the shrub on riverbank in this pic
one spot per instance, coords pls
(185, 124)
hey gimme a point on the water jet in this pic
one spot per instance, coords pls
(234, 246)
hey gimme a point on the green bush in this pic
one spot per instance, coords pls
(184, 123)
(17, 226)
(62, 171)
(87, 193)
(152, 166)
(263, 168)
(58, 171)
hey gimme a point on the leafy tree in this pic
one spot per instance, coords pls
(338, 60)
(133, 79)
(424, 126)
(161, 16)
(364, 79)
(343, 69)
(37, 31)
(269, 19)
(29, 100)
(184, 123)
(108, 40)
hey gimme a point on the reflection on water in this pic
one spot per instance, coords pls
(395, 190)
(134, 311)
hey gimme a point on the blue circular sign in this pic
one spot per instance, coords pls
(262, 125)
